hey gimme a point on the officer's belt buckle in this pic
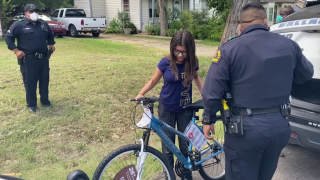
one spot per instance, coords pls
(40, 56)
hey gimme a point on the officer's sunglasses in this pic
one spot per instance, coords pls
(177, 52)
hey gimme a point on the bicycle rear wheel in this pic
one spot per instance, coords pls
(214, 168)
(126, 159)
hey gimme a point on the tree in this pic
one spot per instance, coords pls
(163, 18)
(231, 28)
(222, 6)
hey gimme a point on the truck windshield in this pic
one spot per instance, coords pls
(75, 13)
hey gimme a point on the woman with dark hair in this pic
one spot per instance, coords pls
(178, 70)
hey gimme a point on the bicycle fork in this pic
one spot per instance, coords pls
(142, 154)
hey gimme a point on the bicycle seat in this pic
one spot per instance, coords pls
(195, 106)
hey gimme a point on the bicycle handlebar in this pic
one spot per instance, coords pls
(145, 100)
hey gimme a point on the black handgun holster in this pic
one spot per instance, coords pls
(233, 124)
(20, 61)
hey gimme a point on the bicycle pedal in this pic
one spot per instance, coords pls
(194, 156)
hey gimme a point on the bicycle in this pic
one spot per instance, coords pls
(141, 150)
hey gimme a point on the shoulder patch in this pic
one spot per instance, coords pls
(217, 57)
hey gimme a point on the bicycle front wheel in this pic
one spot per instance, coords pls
(126, 161)
(214, 168)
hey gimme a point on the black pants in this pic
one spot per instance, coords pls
(33, 70)
(182, 119)
(255, 155)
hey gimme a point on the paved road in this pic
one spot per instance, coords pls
(295, 163)
(298, 163)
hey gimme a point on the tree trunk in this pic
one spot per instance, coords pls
(231, 28)
(163, 18)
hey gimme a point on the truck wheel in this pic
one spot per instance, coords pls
(73, 31)
(96, 34)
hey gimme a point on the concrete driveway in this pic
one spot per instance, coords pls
(298, 163)
(295, 163)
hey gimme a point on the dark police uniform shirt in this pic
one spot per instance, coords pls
(258, 68)
(31, 37)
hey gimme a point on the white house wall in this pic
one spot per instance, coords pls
(134, 6)
(83, 4)
(145, 13)
(112, 8)
(99, 8)
(197, 4)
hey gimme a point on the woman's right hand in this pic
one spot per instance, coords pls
(139, 96)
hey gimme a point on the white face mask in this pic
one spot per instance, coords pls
(34, 16)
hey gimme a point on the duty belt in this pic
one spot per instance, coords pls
(37, 55)
(248, 112)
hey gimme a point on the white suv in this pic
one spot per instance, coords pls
(304, 28)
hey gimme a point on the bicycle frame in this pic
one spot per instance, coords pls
(158, 126)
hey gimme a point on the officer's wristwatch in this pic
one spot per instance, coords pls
(206, 122)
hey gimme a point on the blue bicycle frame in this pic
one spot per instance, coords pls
(158, 126)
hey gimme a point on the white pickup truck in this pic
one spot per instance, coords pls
(75, 22)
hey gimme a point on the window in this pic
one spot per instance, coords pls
(270, 14)
(156, 11)
(55, 14)
(61, 13)
(126, 7)
(75, 13)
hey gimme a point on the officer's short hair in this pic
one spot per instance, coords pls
(251, 12)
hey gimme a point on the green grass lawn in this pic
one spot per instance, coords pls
(91, 84)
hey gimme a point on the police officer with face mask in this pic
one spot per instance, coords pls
(33, 38)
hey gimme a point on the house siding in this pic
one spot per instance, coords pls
(83, 4)
(197, 5)
(145, 13)
(98, 8)
(112, 8)
(134, 6)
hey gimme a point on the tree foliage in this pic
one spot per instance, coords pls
(230, 11)
(222, 7)
(10, 8)
(44, 4)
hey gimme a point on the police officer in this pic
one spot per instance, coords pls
(33, 37)
(257, 68)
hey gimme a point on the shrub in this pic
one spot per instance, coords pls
(199, 23)
(120, 22)
(171, 32)
(155, 30)
(186, 20)
(114, 27)
(133, 27)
